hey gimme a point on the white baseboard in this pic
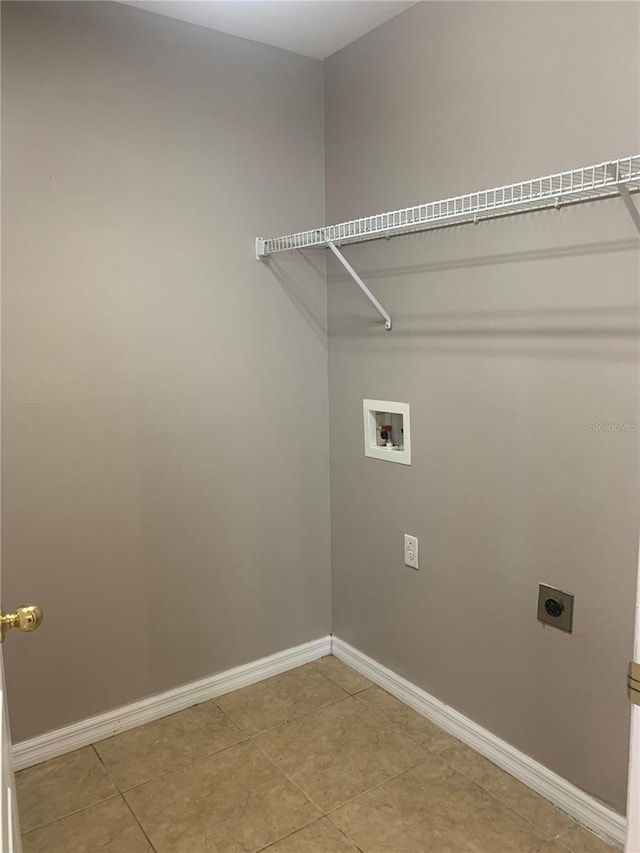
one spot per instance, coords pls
(84, 732)
(584, 808)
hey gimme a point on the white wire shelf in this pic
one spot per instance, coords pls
(589, 183)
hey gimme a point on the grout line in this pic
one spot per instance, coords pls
(438, 754)
(293, 782)
(347, 836)
(562, 834)
(322, 707)
(399, 727)
(550, 838)
(293, 719)
(324, 812)
(374, 787)
(106, 769)
(123, 798)
(245, 737)
(314, 664)
(548, 845)
(289, 834)
(559, 837)
(183, 766)
(245, 734)
(71, 814)
(135, 817)
(328, 677)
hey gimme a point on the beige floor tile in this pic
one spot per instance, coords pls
(554, 847)
(320, 837)
(343, 675)
(233, 802)
(423, 730)
(338, 752)
(433, 808)
(60, 786)
(148, 751)
(277, 700)
(109, 827)
(517, 796)
(580, 840)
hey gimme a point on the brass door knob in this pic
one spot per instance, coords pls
(26, 618)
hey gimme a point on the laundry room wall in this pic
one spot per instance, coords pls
(510, 341)
(165, 426)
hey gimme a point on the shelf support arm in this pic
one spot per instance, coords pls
(634, 213)
(363, 287)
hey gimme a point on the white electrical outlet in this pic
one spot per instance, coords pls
(411, 551)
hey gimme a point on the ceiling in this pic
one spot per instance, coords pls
(315, 28)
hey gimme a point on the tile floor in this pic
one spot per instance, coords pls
(316, 760)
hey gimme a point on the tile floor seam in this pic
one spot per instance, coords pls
(231, 720)
(182, 766)
(293, 782)
(235, 801)
(295, 719)
(559, 838)
(70, 814)
(314, 663)
(444, 748)
(546, 843)
(399, 727)
(345, 833)
(374, 787)
(347, 836)
(388, 779)
(550, 838)
(581, 826)
(289, 834)
(106, 769)
(124, 799)
(142, 829)
(550, 844)
(243, 737)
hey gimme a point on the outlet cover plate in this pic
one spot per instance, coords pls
(555, 607)
(411, 551)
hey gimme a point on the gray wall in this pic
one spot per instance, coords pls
(165, 453)
(509, 340)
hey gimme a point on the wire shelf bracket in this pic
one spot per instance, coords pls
(363, 287)
(613, 178)
(634, 213)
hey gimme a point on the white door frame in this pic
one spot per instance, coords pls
(633, 791)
